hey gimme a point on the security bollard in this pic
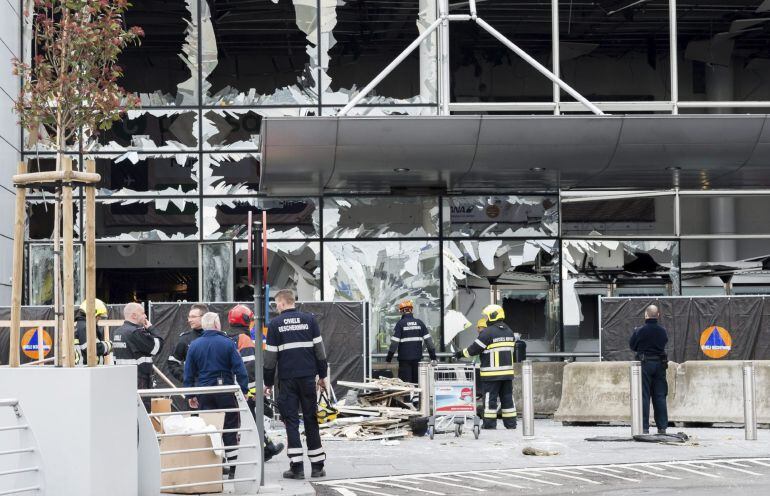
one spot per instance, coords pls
(423, 381)
(749, 405)
(635, 374)
(528, 429)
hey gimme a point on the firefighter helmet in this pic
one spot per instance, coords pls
(405, 306)
(493, 313)
(481, 324)
(240, 315)
(101, 308)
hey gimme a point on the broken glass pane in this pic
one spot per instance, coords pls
(163, 69)
(40, 266)
(619, 217)
(44, 140)
(384, 110)
(134, 174)
(239, 129)
(360, 38)
(260, 52)
(291, 265)
(151, 220)
(380, 217)
(216, 262)
(47, 163)
(521, 275)
(41, 219)
(286, 218)
(231, 173)
(383, 273)
(144, 130)
(501, 216)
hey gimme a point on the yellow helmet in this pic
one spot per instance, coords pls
(405, 306)
(493, 313)
(101, 308)
(481, 324)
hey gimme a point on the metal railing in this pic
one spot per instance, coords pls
(249, 446)
(21, 470)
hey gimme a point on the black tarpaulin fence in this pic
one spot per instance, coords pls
(736, 327)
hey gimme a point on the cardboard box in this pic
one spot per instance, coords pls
(159, 405)
(189, 459)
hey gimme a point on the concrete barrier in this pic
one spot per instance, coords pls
(712, 391)
(599, 392)
(546, 387)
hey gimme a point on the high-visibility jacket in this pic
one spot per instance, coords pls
(409, 337)
(496, 346)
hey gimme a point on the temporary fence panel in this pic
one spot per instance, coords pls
(699, 328)
(21, 470)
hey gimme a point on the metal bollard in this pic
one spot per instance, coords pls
(635, 376)
(749, 405)
(528, 427)
(423, 382)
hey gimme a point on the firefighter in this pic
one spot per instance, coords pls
(177, 357)
(295, 348)
(135, 343)
(495, 344)
(103, 346)
(240, 318)
(409, 337)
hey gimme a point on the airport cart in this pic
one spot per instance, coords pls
(453, 399)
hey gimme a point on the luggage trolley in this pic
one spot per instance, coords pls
(453, 399)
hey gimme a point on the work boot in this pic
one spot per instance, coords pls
(272, 449)
(296, 471)
(661, 431)
(645, 431)
(510, 423)
(318, 471)
(489, 424)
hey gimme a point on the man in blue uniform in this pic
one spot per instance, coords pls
(409, 337)
(295, 348)
(213, 360)
(649, 343)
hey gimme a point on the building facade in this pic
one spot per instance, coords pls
(180, 176)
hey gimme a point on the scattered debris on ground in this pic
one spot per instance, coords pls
(538, 452)
(373, 410)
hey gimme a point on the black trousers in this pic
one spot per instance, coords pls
(491, 391)
(408, 370)
(295, 395)
(145, 382)
(232, 420)
(655, 388)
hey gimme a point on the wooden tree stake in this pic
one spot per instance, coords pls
(18, 271)
(68, 286)
(90, 235)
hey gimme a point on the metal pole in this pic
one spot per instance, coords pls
(672, 56)
(635, 373)
(555, 54)
(749, 405)
(259, 321)
(538, 66)
(529, 408)
(403, 55)
(443, 31)
(423, 376)
(677, 213)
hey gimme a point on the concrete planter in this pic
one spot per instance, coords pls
(85, 423)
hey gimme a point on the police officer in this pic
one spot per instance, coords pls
(409, 337)
(103, 346)
(177, 357)
(213, 360)
(240, 319)
(135, 343)
(495, 344)
(649, 342)
(295, 348)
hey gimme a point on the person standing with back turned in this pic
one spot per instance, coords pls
(649, 343)
(409, 337)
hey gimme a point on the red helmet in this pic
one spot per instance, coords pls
(240, 315)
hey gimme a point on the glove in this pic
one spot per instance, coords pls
(389, 358)
(251, 394)
(458, 355)
(107, 347)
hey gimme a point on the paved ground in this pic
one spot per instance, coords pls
(717, 459)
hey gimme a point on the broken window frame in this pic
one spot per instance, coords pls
(153, 234)
(211, 160)
(282, 250)
(469, 206)
(43, 265)
(133, 157)
(210, 229)
(427, 213)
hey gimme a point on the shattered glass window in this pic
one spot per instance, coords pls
(147, 220)
(225, 218)
(163, 69)
(239, 129)
(520, 275)
(231, 173)
(292, 265)
(359, 38)
(384, 273)
(501, 216)
(134, 174)
(260, 52)
(156, 130)
(216, 263)
(40, 281)
(41, 219)
(619, 217)
(47, 163)
(380, 217)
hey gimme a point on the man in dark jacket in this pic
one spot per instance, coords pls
(135, 343)
(496, 344)
(295, 348)
(649, 343)
(103, 346)
(213, 360)
(177, 358)
(409, 337)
